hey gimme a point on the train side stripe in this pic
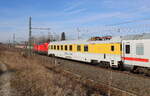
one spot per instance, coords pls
(135, 59)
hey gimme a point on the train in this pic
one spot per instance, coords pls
(122, 52)
(41, 48)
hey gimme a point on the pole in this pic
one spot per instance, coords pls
(14, 40)
(30, 31)
(9, 44)
(110, 83)
(30, 34)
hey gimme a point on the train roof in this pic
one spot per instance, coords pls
(113, 40)
(137, 37)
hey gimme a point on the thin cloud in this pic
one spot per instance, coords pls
(76, 11)
(61, 13)
(94, 17)
(73, 6)
(144, 8)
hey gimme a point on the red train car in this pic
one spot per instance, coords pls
(41, 48)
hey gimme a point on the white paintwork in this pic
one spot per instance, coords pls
(86, 57)
(146, 43)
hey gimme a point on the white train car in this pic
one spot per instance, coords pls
(136, 53)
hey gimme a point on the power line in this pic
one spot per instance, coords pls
(42, 28)
(132, 21)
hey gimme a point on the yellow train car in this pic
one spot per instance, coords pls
(105, 52)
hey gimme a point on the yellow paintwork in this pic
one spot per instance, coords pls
(105, 48)
(74, 48)
(95, 48)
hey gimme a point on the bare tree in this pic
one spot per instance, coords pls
(63, 36)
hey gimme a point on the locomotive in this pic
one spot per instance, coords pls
(41, 48)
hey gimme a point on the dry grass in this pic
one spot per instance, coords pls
(31, 78)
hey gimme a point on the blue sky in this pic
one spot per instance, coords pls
(90, 16)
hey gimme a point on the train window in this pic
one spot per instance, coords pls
(127, 49)
(57, 47)
(70, 47)
(61, 47)
(78, 48)
(139, 49)
(85, 48)
(66, 48)
(112, 48)
(54, 47)
(51, 46)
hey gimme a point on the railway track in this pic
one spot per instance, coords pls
(122, 80)
(92, 85)
(62, 60)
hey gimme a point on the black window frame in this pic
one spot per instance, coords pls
(86, 48)
(112, 48)
(70, 47)
(66, 47)
(61, 47)
(54, 47)
(78, 47)
(58, 47)
(127, 49)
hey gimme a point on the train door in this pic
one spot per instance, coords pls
(127, 54)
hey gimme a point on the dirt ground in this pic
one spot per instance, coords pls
(21, 75)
